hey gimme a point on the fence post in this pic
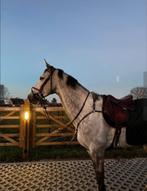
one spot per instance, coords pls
(26, 129)
(33, 126)
(21, 127)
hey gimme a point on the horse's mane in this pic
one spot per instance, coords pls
(60, 73)
(71, 81)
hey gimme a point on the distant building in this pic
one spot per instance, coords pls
(145, 79)
(2, 91)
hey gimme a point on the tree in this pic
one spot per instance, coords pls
(4, 93)
(139, 92)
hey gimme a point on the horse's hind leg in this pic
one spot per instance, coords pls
(98, 162)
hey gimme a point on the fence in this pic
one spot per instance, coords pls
(28, 127)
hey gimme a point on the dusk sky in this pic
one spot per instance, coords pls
(102, 43)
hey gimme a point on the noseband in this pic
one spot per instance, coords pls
(39, 95)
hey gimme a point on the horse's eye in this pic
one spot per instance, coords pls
(41, 78)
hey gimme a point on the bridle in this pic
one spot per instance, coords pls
(39, 95)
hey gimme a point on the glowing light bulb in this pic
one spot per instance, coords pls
(26, 115)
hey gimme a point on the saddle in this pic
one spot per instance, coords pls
(116, 111)
(116, 114)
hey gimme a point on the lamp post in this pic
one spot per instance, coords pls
(26, 132)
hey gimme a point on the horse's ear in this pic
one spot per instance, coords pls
(49, 67)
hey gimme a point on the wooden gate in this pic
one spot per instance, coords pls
(14, 128)
(10, 122)
(29, 126)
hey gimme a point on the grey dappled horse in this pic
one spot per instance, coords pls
(85, 112)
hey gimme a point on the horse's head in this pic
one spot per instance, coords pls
(44, 85)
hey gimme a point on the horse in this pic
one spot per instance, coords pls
(84, 109)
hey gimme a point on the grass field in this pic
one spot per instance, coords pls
(14, 154)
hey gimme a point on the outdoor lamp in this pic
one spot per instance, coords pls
(26, 115)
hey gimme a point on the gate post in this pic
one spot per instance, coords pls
(26, 129)
(33, 126)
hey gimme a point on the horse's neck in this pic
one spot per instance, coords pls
(72, 99)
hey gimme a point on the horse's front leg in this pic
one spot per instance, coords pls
(98, 162)
(99, 169)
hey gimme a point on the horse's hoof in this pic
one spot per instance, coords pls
(102, 188)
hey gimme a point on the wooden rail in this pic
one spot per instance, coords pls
(51, 129)
(10, 126)
(38, 130)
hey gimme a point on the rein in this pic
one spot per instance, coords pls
(70, 122)
(44, 101)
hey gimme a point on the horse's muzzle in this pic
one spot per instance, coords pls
(32, 98)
